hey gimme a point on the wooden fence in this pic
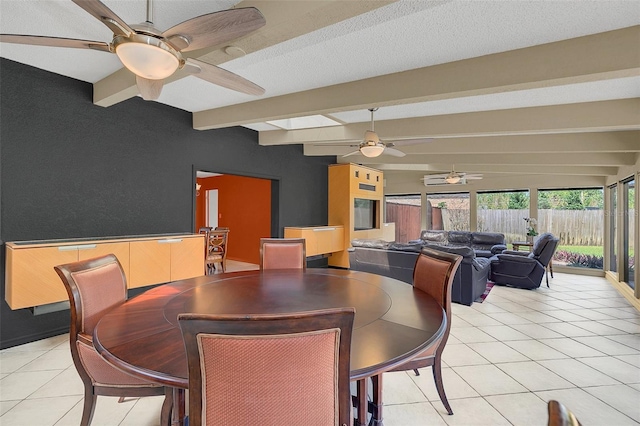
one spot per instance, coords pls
(407, 220)
(573, 227)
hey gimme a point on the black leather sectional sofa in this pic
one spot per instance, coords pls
(397, 260)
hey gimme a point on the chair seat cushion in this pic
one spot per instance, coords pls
(104, 374)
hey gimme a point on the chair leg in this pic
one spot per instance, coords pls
(415, 370)
(437, 377)
(167, 406)
(89, 404)
(376, 400)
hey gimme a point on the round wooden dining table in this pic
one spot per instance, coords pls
(393, 321)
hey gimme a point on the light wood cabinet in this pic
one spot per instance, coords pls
(150, 263)
(318, 239)
(187, 259)
(348, 183)
(30, 279)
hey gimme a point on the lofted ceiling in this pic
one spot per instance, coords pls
(518, 91)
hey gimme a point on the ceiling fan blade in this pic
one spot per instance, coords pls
(222, 77)
(149, 89)
(105, 15)
(394, 152)
(215, 28)
(408, 142)
(351, 153)
(54, 42)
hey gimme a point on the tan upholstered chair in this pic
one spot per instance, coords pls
(288, 369)
(560, 416)
(434, 273)
(283, 253)
(216, 249)
(94, 287)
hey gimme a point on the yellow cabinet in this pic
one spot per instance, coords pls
(187, 258)
(318, 239)
(30, 279)
(150, 262)
(33, 269)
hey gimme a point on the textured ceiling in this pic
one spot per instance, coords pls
(387, 38)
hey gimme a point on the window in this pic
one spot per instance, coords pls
(629, 194)
(405, 212)
(448, 211)
(504, 212)
(613, 228)
(576, 216)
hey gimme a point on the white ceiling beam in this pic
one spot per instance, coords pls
(567, 169)
(559, 160)
(607, 55)
(546, 143)
(601, 116)
(285, 20)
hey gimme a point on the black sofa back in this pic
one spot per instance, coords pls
(396, 260)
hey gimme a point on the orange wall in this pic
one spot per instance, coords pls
(244, 205)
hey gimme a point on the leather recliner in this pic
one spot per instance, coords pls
(521, 269)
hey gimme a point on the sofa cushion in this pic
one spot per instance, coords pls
(459, 238)
(413, 247)
(434, 236)
(483, 253)
(487, 239)
(380, 244)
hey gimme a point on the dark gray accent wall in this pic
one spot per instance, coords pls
(70, 169)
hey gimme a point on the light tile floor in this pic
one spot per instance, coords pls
(577, 342)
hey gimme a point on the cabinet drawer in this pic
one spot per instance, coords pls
(150, 262)
(120, 250)
(31, 279)
(187, 258)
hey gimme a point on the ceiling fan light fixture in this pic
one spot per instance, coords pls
(147, 56)
(372, 150)
(453, 178)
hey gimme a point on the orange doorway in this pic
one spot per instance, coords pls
(244, 206)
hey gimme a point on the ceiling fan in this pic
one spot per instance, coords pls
(153, 55)
(451, 178)
(372, 146)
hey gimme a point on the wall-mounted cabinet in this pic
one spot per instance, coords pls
(355, 202)
(31, 280)
(318, 239)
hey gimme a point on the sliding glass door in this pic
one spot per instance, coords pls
(629, 195)
(613, 228)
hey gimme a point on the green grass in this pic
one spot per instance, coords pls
(592, 250)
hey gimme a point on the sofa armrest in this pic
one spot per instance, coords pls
(498, 248)
(512, 264)
(516, 253)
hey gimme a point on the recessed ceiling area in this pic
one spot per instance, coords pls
(545, 91)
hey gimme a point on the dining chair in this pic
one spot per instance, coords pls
(216, 250)
(94, 287)
(285, 369)
(283, 253)
(559, 415)
(433, 274)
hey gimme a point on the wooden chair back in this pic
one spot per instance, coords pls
(216, 249)
(283, 253)
(269, 369)
(94, 287)
(559, 415)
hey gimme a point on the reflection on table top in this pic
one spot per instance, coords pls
(393, 321)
